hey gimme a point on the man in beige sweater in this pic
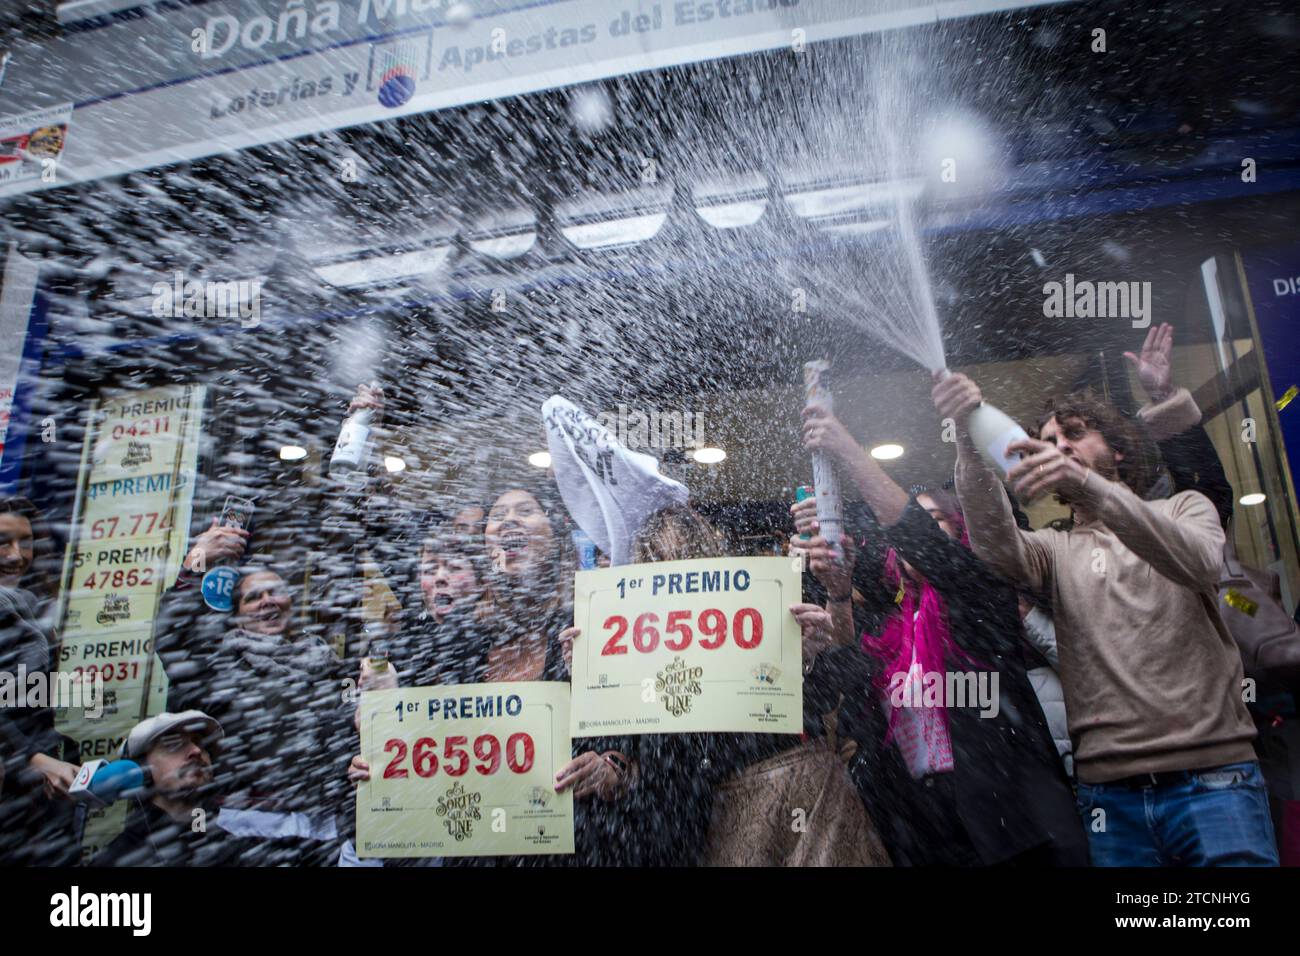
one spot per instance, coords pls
(1153, 681)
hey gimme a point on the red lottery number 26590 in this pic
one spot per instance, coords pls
(519, 753)
(678, 633)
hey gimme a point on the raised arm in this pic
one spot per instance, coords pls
(950, 567)
(1173, 421)
(186, 631)
(1184, 543)
(1021, 557)
(896, 516)
(823, 431)
(1185, 446)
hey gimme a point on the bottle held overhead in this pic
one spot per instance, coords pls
(992, 430)
(352, 450)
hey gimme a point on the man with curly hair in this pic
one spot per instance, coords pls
(1166, 772)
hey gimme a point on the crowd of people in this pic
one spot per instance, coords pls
(1120, 734)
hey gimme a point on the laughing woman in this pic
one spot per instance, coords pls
(512, 635)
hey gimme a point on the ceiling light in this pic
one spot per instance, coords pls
(603, 221)
(819, 201)
(376, 269)
(615, 232)
(506, 234)
(859, 228)
(731, 203)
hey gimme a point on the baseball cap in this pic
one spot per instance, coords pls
(146, 733)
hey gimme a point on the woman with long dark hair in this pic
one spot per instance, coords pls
(512, 635)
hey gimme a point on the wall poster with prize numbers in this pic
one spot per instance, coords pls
(465, 770)
(129, 530)
(707, 645)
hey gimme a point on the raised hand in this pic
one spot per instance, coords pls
(822, 431)
(215, 545)
(368, 397)
(1154, 366)
(955, 397)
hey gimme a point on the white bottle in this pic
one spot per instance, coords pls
(352, 450)
(992, 430)
(826, 484)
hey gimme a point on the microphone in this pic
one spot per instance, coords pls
(103, 782)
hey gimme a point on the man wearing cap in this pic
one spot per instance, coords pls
(170, 823)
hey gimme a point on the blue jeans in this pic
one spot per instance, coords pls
(1217, 817)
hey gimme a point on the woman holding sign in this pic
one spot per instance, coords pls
(979, 779)
(511, 636)
(754, 799)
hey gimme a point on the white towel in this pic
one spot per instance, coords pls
(609, 490)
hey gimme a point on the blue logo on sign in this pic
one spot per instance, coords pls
(397, 87)
(219, 588)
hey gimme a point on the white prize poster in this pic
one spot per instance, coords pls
(130, 527)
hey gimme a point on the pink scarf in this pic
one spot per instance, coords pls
(917, 634)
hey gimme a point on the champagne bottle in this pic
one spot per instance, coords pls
(992, 430)
(352, 450)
